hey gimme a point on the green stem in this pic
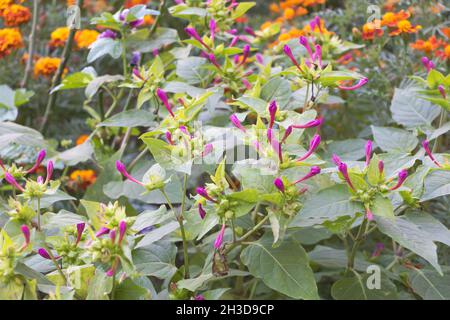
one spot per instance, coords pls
(31, 44)
(359, 236)
(441, 123)
(39, 213)
(52, 257)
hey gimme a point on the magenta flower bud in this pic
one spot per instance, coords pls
(233, 42)
(259, 58)
(337, 161)
(368, 152)
(314, 143)
(122, 230)
(278, 182)
(163, 97)
(38, 162)
(287, 133)
(381, 167)
(246, 53)
(287, 51)
(208, 149)
(212, 59)
(402, 175)
(80, 229)
(212, 28)
(426, 146)
(442, 91)
(219, 239)
(112, 236)
(234, 119)
(276, 146)
(319, 55)
(199, 297)
(184, 130)
(246, 83)
(26, 234)
(272, 111)
(123, 15)
(379, 247)
(123, 170)
(310, 124)
(202, 192)
(201, 211)
(49, 171)
(137, 73)
(136, 58)
(102, 231)
(315, 170)
(304, 42)
(169, 137)
(358, 85)
(193, 34)
(108, 34)
(112, 271)
(155, 52)
(369, 214)
(10, 179)
(40, 180)
(136, 23)
(427, 63)
(250, 31)
(318, 24)
(344, 171)
(44, 254)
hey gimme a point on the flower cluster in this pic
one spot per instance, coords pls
(83, 38)
(10, 39)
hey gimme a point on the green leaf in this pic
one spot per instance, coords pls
(335, 259)
(61, 219)
(410, 236)
(157, 260)
(284, 268)
(74, 81)
(437, 184)
(100, 286)
(157, 234)
(192, 70)
(161, 38)
(129, 290)
(434, 228)
(75, 155)
(393, 139)
(348, 150)
(382, 207)
(104, 46)
(355, 288)
(241, 9)
(277, 89)
(130, 119)
(327, 205)
(429, 285)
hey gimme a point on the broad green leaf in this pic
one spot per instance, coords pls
(104, 46)
(277, 89)
(130, 119)
(437, 184)
(157, 260)
(434, 228)
(382, 207)
(355, 288)
(242, 8)
(129, 290)
(157, 234)
(284, 268)
(429, 284)
(192, 70)
(393, 139)
(100, 286)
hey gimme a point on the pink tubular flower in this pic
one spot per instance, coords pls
(337, 161)
(278, 182)
(49, 171)
(310, 124)
(318, 55)
(259, 58)
(402, 175)
(137, 73)
(122, 230)
(272, 111)
(246, 53)
(379, 247)
(208, 149)
(107, 34)
(368, 152)
(201, 211)
(233, 42)
(40, 158)
(344, 171)
(219, 239)
(26, 234)
(10, 179)
(314, 143)
(304, 42)
(112, 236)
(250, 31)
(112, 271)
(202, 192)
(235, 121)
(426, 146)
(123, 170)
(442, 91)
(381, 167)
(318, 24)
(287, 51)
(287, 133)
(102, 231)
(169, 137)
(213, 60)
(212, 28)
(246, 83)
(369, 214)
(276, 146)
(44, 254)
(40, 180)
(163, 97)
(427, 63)
(80, 229)
(193, 34)
(358, 85)
(315, 170)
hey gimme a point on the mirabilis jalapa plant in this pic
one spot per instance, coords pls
(231, 223)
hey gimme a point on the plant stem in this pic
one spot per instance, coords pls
(359, 236)
(59, 72)
(39, 213)
(31, 44)
(52, 257)
(441, 123)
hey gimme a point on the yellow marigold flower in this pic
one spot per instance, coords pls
(81, 139)
(274, 8)
(10, 39)
(391, 19)
(84, 38)
(15, 15)
(404, 26)
(83, 178)
(46, 66)
(148, 20)
(289, 14)
(5, 4)
(59, 37)
(371, 30)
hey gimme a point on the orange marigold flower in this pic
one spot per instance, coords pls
(149, 20)
(15, 15)
(10, 39)
(46, 66)
(301, 11)
(265, 25)
(389, 5)
(446, 32)
(84, 38)
(83, 178)
(81, 139)
(273, 7)
(289, 14)
(404, 26)
(427, 46)
(371, 30)
(132, 3)
(443, 54)
(59, 37)
(391, 19)
(5, 4)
